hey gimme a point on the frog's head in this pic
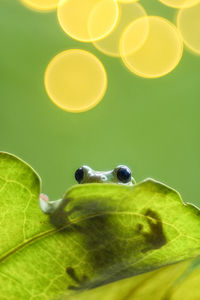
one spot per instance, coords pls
(121, 175)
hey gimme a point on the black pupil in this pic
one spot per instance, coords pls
(79, 175)
(124, 174)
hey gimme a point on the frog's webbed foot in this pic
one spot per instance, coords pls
(155, 237)
(80, 282)
(47, 206)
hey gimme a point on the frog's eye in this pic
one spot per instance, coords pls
(123, 174)
(79, 174)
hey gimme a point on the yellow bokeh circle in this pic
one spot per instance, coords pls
(179, 3)
(41, 5)
(75, 80)
(134, 36)
(127, 1)
(87, 20)
(128, 12)
(158, 53)
(188, 23)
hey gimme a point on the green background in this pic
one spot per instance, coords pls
(152, 125)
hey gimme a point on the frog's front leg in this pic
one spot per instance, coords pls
(47, 206)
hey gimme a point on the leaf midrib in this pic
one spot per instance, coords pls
(75, 221)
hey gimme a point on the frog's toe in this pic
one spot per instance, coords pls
(44, 197)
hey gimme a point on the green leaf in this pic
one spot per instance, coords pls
(162, 284)
(19, 190)
(131, 230)
(187, 284)
(101, 233)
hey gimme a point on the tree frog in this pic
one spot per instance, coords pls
(119, 175)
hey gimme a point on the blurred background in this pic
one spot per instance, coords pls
(152, 125)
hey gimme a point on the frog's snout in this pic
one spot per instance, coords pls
(97, 178)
